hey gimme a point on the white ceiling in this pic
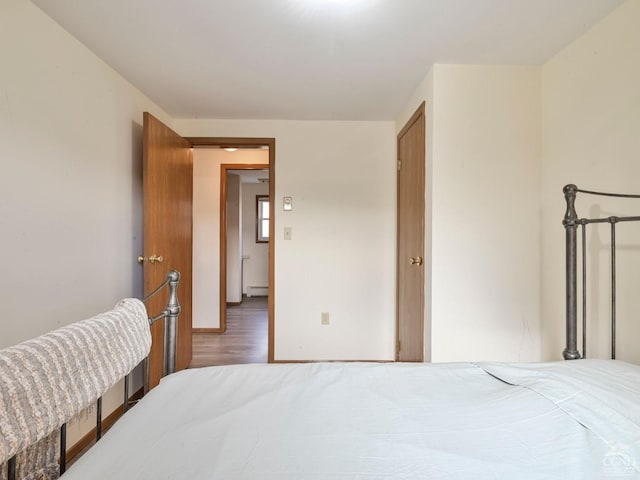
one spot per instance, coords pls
(311, 59)
(250, 176)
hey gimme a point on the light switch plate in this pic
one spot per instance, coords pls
(287, 233)
(287, 203)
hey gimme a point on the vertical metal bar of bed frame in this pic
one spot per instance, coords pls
(99, 419)
(571, 349)
(63, 448)
(584, 290)
(125, 403)
(11, 468)
(170, 324)
(170, 315)
(613, 221)
(145, 382)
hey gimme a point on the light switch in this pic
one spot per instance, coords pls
(287, 202)
(287, 233)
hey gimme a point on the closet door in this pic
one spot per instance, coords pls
(410, 332)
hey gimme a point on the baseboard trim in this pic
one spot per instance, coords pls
(107, 422)
(207, 330)
(233, 304)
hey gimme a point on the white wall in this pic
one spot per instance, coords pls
(341, 176)
(71, 201)
(234, 239)
(483, 157)
(256, 267)
(591, 122)
(206, 228)
(486, 220)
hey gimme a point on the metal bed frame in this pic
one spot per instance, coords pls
(571, 223)
(170, 314)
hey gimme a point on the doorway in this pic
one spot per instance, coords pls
(236, 302)
(244, 263)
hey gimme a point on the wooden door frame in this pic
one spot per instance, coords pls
(246, 142)
(420, 112)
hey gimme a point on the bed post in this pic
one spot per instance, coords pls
(570, 225)
(170, 333)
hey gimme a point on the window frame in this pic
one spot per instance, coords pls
(259, 219)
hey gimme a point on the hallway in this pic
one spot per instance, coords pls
(245, 340)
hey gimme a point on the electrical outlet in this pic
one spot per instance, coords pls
(324, 318)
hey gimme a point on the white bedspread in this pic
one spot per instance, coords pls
(573, 420)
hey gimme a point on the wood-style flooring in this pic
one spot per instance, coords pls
(245, 340)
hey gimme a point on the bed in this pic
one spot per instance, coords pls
(369, 421)
(570, 419)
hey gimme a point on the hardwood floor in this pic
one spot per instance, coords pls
(245, 340)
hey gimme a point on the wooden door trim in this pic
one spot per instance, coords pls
(229, 141)
(419, 113)
(241, 142)
(414, 118)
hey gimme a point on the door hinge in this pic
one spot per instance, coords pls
(398, 345)
(399, 164)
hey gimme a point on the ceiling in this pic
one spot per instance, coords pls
(311, 59)
(250, 176)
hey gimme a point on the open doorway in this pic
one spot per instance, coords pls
(246, 229)
(236, 320)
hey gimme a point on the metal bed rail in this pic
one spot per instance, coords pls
(571, 223)
(170, 313)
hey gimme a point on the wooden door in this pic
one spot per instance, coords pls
(410, 261)
(167, 179)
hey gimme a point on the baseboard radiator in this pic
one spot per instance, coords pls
(254, 291)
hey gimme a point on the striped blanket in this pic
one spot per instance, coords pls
(47, 381)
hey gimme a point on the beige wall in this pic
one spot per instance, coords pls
(591, 124)
(256, 267)
(206, 228)
(486, 223)
(483, 161)
(71, 201)
(341, 176)
(71, 147)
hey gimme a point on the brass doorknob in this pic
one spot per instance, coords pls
(415, 260)
(141, 259)
(156, 259)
